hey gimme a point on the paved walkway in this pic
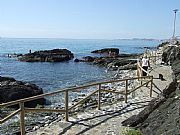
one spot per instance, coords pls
(107, 121)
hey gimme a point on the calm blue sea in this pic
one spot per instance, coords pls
(53, 76)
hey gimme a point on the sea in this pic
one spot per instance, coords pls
(56, 76)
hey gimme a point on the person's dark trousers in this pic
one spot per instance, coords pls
(145, 68)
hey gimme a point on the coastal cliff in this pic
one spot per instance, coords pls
(161, 116)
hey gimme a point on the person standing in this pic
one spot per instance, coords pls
(145, 65)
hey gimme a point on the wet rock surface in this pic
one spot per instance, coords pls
(55, 55)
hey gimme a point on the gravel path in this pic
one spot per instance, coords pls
(107, 121)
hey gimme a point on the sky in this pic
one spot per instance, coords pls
(88, 19)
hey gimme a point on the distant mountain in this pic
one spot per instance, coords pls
(148, 39)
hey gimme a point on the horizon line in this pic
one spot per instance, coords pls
(84, 38)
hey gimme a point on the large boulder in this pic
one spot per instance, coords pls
(11, 90)
(170, 53)
(154, 104)
(55, 55)
(176, 69)
(143, 115)
(109, 51)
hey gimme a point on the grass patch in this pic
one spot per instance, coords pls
(131, 131)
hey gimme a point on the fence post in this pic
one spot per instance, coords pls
(151, 86)
(126, 90)
(66, 106)
(22, 115)
(155, 58)
(99, 97)
(138, 70)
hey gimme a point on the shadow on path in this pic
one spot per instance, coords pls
(109, 115)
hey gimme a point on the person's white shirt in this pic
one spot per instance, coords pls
(145, 62)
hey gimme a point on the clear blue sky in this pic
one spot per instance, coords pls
(108, 19)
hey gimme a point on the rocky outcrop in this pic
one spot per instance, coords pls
(154, 104)
(171, 55)
(121, 61)
(55, 55)
(109, 51)
(161, 116)
(115, 63)
(89, 59)
(11, 90)
(170, 52)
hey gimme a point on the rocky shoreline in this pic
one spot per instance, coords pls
(162, 114)
(35, 121)
(112, 60)
(11, 89)
(108, 119)
(47, 118)
(118, 62)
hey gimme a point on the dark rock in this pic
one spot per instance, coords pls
(100, 61)
(176, 68)
(122, 64)
(161, 116)
(112, 63)
(148, 47)
(155, 103)
(130, 56)
(163, 120)
(89, 59)
(11, 90)
(163, 44)
(76, 60)
(170, 54)
(169, 89)
(55, 55)
(114, 51)
(143, 115)
(3, 79)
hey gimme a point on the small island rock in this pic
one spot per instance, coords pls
(55, 55)
(109, 51)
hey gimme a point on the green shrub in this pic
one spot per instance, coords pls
(131, 131)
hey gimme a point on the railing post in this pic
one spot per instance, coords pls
(140, 74)
(22, 115)
(126, 90)
(151, 86)
(99, 97)
(66, 106)
(138, 70)
(155, 58)
(141, 79)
